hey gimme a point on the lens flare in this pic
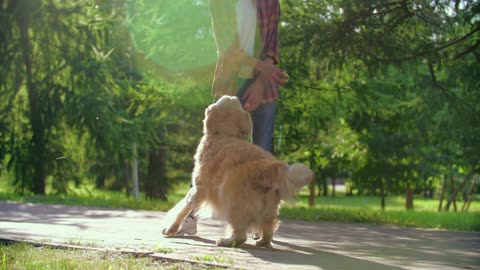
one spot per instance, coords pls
(172, 37)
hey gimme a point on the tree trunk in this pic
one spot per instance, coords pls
(469, 199)
(454, 193)
(442, 194)
(324, 182)
(452, 187)
(319, 181)
(311, 197)
(334, 180)
(155, 184)
(135, 171)
(38, 135)
(425, 189)
(382, 195)
(318, 73)
(127, 178)
(100, 180)
(409, 198)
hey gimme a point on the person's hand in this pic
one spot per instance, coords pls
(254, 95)
(271, 72)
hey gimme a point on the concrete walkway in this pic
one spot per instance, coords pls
(298, 245)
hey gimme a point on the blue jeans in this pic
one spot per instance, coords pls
(263, 119)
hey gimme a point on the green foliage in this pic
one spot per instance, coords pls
(387, 68)
(49, 68)
(87, 101)
(383, 94)
(160, 30)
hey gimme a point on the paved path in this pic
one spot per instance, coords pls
(298, 245)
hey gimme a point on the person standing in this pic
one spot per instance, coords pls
(247, 38)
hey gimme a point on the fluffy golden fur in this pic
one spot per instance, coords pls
(239, 181)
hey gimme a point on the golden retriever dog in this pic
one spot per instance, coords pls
(240, 182)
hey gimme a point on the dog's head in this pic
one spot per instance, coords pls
(227, 117)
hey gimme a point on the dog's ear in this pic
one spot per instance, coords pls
(244, 122)
(210, 118)
(210, 108)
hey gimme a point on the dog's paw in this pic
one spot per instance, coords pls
(228, 242)
(265, 244)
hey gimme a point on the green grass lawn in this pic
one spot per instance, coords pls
(367, 209)
(26, 257)
(87, 195)
(341, 208)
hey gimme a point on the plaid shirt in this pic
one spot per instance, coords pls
(231, 56)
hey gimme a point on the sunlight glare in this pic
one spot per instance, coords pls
(174, 36)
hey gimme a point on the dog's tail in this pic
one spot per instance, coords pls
(278, 175)
(298, 176)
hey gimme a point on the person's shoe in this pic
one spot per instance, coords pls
(256, 236)
(189, 227)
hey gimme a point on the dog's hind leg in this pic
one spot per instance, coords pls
(191, 202)
(267, 235)
(239, 236)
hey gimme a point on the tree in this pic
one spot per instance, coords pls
(391, 63)
(43, 43)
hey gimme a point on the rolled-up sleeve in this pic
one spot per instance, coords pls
(269, 16)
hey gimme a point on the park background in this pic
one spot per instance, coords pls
(102, 104)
